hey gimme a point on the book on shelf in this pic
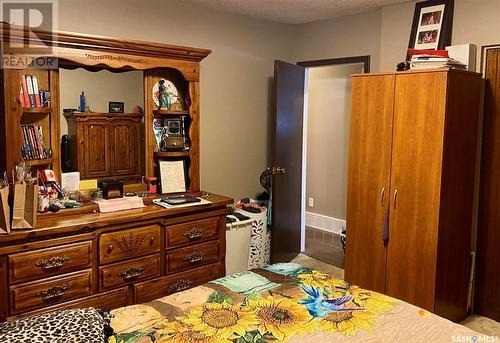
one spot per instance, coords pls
(24, 87)
(45, 98)
(31, 92)
(30, 96)
(33, 147)
(34, 80)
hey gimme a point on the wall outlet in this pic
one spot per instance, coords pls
(311, 202)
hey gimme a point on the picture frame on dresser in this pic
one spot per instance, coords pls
(172, 176)
(116, 107)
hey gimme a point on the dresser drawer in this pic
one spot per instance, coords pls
(154, 289)
(195, 231)
(191, 256)
(48, 262)
(125, 244)
(128, 272)
(106, 301)
(33, 295)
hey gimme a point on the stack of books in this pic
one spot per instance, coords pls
(30, 95)
(33, 147)
(433, 62)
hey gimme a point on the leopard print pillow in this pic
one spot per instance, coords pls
(79, 325)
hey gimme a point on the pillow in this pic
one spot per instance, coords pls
(77, 325)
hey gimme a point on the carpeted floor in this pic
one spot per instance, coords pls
(480, 324)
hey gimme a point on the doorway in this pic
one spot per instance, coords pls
(327, 104)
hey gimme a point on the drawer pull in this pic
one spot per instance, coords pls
(152, 240)
(52, 263)
(110, 248)
(53, 293)
(180, 285)
(197, 256)
(194, 234)
(132, 273)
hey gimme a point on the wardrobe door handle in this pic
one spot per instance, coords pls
(394, 198)
(385, 228)
(382, 192)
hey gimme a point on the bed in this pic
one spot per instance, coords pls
(281, 302)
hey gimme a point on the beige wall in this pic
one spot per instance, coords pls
(235, 77)
(384, 33)
(100, 88)
(475, 22)
(341, 37)
(329, 104)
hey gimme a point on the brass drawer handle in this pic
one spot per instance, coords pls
(132, 273)
(180, 285)
(197, 256)
(52, 263)
(110, 248)
(194, 233)
(53, 293)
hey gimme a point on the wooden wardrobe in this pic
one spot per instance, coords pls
(412, 153)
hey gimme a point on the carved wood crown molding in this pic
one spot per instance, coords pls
(69, 40)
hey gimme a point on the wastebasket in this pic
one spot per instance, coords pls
(248, 242)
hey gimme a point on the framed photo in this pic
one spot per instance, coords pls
(432, 24)
(172, 176)
(116, 107)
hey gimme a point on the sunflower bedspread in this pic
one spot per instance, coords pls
(281, 302)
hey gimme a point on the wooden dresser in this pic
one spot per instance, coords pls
(111, 260)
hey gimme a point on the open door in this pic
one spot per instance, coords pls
(287, 200)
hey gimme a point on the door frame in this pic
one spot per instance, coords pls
(365, 60)
(362, 59)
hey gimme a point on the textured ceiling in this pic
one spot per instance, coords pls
(295, 11)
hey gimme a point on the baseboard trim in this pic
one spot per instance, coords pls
(325, 223)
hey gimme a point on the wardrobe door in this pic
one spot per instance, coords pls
(418, 134)
(96, 145)
(125, 138)
(370, 138)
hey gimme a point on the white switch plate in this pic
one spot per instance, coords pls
(311, 202)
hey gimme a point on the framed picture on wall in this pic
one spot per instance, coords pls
(432, 24)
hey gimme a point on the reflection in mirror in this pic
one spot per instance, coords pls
(100, 88)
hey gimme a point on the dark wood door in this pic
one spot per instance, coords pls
(368, 181)
(124, 150)
(487, 287)
(289, 80)
(418, 134)
(96, 149)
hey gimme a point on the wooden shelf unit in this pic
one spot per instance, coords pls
(178, 64)
(36, 110)
(15, 115)
(41, 162)
(170, 113)
(162, 154)
(186, 86)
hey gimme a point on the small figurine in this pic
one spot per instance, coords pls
(163, 99)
